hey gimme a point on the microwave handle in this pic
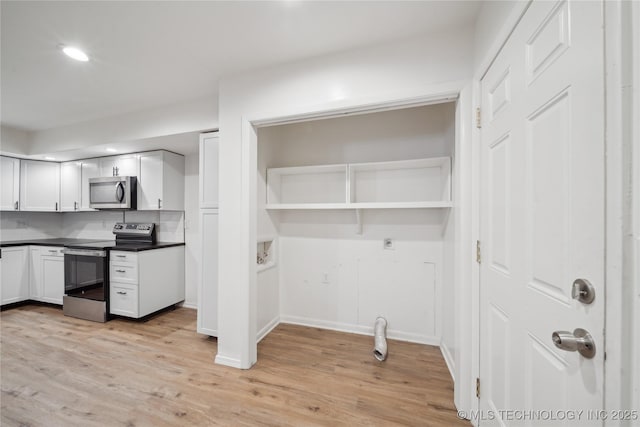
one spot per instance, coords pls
(119, 192)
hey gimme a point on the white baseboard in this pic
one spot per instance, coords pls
(228, 361)
(268, 328)
(448, 360)
(193, 306)
(359, 329)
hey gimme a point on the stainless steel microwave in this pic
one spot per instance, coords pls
(113, 192)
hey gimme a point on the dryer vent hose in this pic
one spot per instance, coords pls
(380, 339)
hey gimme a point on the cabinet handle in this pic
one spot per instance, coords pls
(16, 205)
(121, 293)
(120, 271)
(55, 251)
(75, 206)
(56, 206)
(121, 256)
(117, 169)
(159, 201)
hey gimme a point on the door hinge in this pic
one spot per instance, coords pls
(478, 118)
(478, 388)
(478, 252)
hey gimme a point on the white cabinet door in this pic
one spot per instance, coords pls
(150, 181)
(39, 186)
(208, 290)
(125, 165)
(15, 274)
(209, 170)
(47, 274)
(90, 169)
(36, 287)
(70, 186)
(52, 271)
(9, 184)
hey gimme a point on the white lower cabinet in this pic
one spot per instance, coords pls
(15, 274)
(144, 282)
(208, 291)
(47, 274)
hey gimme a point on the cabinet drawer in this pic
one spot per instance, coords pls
(123, 299)
(122, 256)
(124, 273)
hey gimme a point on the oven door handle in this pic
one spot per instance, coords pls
(82, 252)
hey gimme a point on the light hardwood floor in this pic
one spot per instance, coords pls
(60, 371)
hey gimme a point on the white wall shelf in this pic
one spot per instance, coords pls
(308, 185)
(404, 184)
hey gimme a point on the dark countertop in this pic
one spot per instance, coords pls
(45, 242)
(131, 247)
(137, 247)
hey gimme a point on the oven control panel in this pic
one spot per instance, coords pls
(134, 228)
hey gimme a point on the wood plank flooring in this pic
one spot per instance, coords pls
(61, 371)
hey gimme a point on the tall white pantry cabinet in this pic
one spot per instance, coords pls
(208, 201)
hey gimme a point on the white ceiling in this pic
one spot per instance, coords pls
(147, 54)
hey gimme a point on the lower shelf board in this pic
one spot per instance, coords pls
(367, 205)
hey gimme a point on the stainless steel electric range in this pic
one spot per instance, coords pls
(86, 271)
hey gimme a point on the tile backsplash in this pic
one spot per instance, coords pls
(86, 225)
(29, 225)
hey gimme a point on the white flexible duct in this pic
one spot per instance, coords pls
(380, 339)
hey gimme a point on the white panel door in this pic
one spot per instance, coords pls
(209, 147)
(208, 290)
(39, 186)
(70, 186)
(9, 184)
(542, 215)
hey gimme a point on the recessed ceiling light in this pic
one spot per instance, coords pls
(111, 150)
(75, 53)
(49, 158)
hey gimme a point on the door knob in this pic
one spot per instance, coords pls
(583, 291)
(580, 341)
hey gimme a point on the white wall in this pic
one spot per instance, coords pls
(489, 24)
(13, 141)
(198, 115)
(425, 66)
(192, 237)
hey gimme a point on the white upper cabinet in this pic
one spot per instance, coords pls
(125, 165)
(70, 186)
(39, 186)
(9, 184)
(209, 148)
(89, 168)
(161, 181)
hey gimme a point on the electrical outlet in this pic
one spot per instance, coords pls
(388, 243)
